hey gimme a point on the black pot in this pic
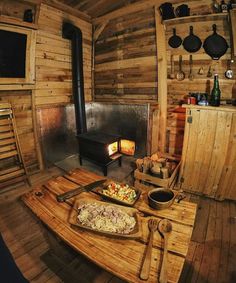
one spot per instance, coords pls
(215, 45)
(192, 43)
(167, 11)
(174, 41)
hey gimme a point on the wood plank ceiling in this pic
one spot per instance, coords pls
(97, 8)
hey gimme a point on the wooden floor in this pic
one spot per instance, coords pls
(211, 256)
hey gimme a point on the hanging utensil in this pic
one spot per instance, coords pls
(201, 71)
(165, 228)
(192, 43)
(172, 67)
(215, 45)
(190, 76)
(229, 72)
(180, 74)
(209, 72)
(144, 274)
(174, 41)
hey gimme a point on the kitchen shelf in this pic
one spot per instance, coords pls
(196, 18)
(17, 22)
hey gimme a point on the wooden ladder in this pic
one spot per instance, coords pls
(12, 165)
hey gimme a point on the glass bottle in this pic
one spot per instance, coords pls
(215, 93)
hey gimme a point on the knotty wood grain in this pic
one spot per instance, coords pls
(125, 259)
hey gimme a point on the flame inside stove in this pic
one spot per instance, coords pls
(112, 148)
(127, 147)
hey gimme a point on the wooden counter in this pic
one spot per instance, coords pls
(208, 165)
(122, 257)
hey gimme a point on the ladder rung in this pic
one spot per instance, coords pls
(7, 148)
(4, 122)
(7, 141)
(13, 181)
(8, 154)
(6, 135)
(12, 175)
(5, 112)
(9, 170)
(5, 105)
(6, 128)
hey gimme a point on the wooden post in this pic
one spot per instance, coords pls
(162, 79)
(35, 131)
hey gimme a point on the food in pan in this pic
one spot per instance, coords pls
(105, 218)
(120, 191)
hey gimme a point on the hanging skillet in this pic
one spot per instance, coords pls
(192, 43)
(215, 45)
(174, 41)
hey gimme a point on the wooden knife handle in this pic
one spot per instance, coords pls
(144, 274)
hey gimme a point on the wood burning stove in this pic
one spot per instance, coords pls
(102, 149)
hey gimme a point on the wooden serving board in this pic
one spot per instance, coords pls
(73, 218)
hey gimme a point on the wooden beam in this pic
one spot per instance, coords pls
(67, 9)
(233, 31)
(98, 30)
(131, 8)
(162, 79)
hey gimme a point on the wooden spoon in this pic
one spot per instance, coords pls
(180, 74)
(172, 67)
(165, 228)
(144, 274)
(190, 76)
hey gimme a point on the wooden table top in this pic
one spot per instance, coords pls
(121, 256)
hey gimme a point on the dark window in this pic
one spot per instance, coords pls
(12, 54)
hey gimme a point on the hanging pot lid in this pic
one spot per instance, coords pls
(215, 45)
(192, 43)
(175, 41)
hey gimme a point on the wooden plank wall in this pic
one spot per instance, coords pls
(125, 59)
(53, 82)
(53, 58)
(179, 90)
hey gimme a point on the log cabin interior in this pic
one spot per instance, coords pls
(120, 90)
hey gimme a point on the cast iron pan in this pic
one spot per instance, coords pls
(192, 43)
(215, 45)
(174, 41)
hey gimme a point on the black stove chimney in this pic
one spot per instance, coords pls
(69, 31)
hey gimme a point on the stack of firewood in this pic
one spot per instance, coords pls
(156, 165)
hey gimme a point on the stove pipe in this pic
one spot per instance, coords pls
(73, 33)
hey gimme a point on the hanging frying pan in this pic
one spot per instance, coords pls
(174, 41)
(192, 43)
(215, 45)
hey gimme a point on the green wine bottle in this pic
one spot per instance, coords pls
(215, 93)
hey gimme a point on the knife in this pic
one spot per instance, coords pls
(80, 189)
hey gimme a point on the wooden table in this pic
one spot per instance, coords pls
(121, 257)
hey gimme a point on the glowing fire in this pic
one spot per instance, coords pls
(112, 148)
(127, 147)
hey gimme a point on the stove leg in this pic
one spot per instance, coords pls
(120, 161)
(80, 160)
(104, 168)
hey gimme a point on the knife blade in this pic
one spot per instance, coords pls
(80, 189)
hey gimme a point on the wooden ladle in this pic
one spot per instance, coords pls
(165, 228)
(172, 67)
(144, 274)
(180, 74)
